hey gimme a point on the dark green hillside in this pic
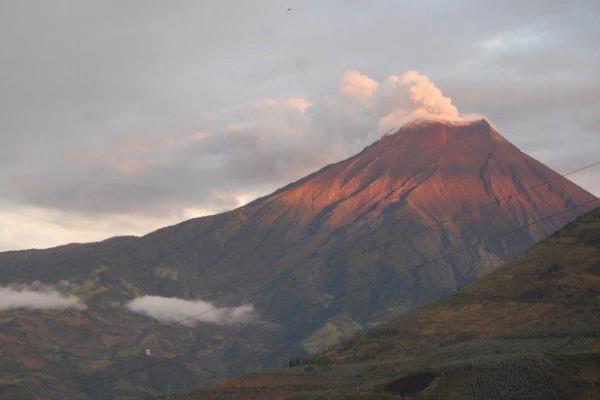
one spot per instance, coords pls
(530, 330)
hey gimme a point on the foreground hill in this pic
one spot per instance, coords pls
(530, 330)
(334, 252)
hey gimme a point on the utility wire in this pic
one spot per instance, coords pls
(440, 223)
(404, 236)
(277, 354)
(419, 266)
(496, 202)
(362, 287)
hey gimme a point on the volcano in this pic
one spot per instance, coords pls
(378, 234)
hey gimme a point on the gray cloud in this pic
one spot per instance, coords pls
(117, 118)
(189, 312)
(259, 144)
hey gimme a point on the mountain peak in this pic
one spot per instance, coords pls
(424, 121)
(481, 125)
(432, 136)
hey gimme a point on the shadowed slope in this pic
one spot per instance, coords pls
(527, 331)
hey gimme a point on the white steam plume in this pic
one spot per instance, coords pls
(392, 103)
(428, 98)
(36, 296)
(425, 100)
(189, 312)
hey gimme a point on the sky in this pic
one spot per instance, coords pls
(117, 117)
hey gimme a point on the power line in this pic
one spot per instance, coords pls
(496, 202)
(417, 232)
(422, 300)
(362, 287)
(365, 286)
(439, 294)
(421, 265)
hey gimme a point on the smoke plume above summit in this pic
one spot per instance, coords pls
(398, 99)
(427, 97)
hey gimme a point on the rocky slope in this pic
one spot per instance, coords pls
(334, 252)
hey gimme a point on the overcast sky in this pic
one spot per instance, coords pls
(118, 117)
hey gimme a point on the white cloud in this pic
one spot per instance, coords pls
(428, 98)
(36, 296)
(189, 312)
(26, 227)
(358, 86)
